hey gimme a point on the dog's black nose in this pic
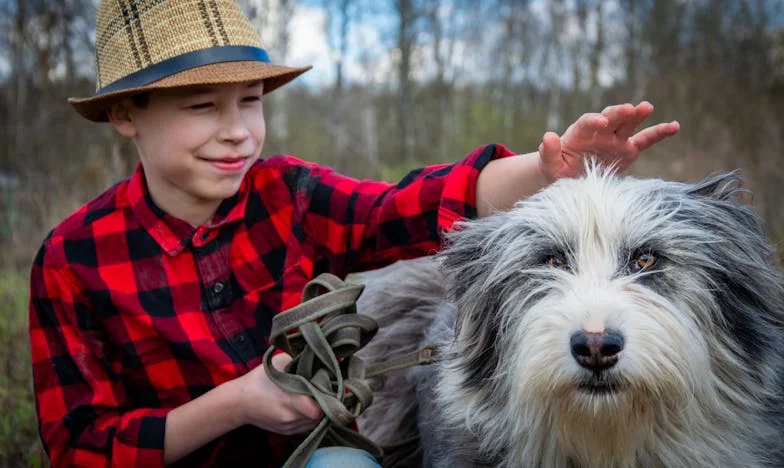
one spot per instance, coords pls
(597, 351)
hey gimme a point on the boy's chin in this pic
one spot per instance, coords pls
(216, 189)
(222, 191)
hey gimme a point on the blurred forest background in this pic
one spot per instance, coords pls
(398, 83)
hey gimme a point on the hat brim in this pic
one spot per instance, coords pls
(274, 76)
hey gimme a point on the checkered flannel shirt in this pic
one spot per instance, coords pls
(134, 312)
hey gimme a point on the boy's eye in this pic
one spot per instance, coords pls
(201, 105)
(251, 99)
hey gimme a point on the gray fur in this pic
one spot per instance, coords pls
(703, 370)
(404, 300)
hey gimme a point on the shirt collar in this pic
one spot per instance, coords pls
(174, 234)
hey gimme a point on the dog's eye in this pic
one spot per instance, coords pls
(556, 261)
(643, 261)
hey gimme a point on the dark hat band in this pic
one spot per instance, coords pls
(184, 62)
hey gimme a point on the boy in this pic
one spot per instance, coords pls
(151, 305)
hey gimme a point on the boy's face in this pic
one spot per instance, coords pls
(195, 144)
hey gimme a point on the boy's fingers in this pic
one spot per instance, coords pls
(307, 407)
(302, 404)
(617, 115)
(641, 112)
(588, 124)
(652, 135)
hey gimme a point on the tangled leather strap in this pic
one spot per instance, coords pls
(324, 366)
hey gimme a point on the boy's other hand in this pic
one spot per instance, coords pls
(609, 135)
(265, 405)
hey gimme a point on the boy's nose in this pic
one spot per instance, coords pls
(234, 126)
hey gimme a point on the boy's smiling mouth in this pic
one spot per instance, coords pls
(229, 163)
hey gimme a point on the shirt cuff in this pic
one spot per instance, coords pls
(140, 438)
(458, 199)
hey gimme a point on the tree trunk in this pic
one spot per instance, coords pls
(405, 44)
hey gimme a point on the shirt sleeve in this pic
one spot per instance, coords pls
(360, 225)
(83, 415)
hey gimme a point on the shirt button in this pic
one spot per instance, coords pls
(205, 235)
(217, 288)
(240, 338)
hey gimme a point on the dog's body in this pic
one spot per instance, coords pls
(604, 322)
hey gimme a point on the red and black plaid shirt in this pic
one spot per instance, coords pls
(134, 312)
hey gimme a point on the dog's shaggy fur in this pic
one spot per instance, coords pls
(679, 273)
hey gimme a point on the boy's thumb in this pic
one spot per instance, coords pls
(550, 147)
(280, 361)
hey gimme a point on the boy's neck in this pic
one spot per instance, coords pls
(196, 216)
(193, 211)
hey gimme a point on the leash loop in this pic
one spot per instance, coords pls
(322, 334)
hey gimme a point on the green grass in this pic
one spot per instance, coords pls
(19, 442)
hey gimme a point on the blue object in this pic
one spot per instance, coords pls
(341, 457)
(184, 62)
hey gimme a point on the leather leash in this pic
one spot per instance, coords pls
(324, 367)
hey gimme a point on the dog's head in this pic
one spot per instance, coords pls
(601, 294)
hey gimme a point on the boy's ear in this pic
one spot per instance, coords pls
(121, 119)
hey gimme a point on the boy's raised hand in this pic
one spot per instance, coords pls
(609, 135)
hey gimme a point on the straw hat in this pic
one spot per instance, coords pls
(142, 45)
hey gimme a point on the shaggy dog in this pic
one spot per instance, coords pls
(604, 322)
